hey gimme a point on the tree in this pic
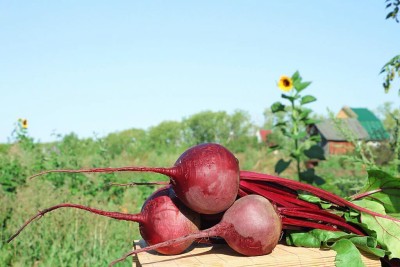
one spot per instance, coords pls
(207, 126)
(166, 134)
(392, 67)
(233, 130)
(393, 5)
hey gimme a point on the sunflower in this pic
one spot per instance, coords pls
(24, 123)
(285, 83)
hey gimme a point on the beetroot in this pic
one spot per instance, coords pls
(163, 217)
(251, 226)
(205, 177)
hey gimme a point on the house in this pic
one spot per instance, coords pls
(368, 120)
(334, 141)
(355, 123)
(262, 135)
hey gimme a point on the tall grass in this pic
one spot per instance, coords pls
(71, 237)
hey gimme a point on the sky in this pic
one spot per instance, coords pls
(97, 67)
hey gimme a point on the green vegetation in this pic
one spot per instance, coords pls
(293, 124)
(392, 67)
(76, 238)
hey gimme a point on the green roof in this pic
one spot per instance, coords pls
(364, 114)
(371, 124)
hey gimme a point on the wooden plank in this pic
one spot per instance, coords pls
(220, 255)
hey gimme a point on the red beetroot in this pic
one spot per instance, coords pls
(163, 217)
(205, 177)
(251, 226)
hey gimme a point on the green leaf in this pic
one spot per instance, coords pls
(300, 135)
(347, 254)
(277, 106)
(311, 239)
(315, 138)
(300, 86)
(280, 124)
(310, 121)
(296, 76)
(315, 152)
(389, 15)
(307, 99)
(395, 215)
(384, 188)
(316, 200)
(345, 245)
(387, 231)
(368, 244)
(282, 165)
(304, 113)
(291, 98)
(310, 177)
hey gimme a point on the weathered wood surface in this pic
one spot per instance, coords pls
(222, 255)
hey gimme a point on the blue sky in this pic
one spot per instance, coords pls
(104, 66)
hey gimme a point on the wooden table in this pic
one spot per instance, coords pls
(222, 255)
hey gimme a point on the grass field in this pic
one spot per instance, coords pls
(71, 237)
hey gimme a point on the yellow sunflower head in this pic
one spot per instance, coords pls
(285, 83)
(24, 123)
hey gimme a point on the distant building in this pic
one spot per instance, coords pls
(262, 135)
(368, 120)
(359, 123)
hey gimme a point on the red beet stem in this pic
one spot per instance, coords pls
(140, 183)
(271, 193)
(247, 175)
(213, 231)
(242, 193)
(279, 200)
(366, 194)
(115, 215)
(288, 222)
(320, 216)
(320, 212)
(165, 171)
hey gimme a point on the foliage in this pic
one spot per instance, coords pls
(345, 245)
(166, 134)
(88, 242)
(380, 194)
(392, 67)
(293, 126)
(11, 173)
(391, 121)
(233, 131)
(393, 5)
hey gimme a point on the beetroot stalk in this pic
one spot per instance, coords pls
(286, 200)
(288, 223)
(140, 183)
(253, 176)
(320, 217)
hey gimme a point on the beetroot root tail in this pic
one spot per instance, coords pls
(140, 183)
(114, 215)
(165, 171)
